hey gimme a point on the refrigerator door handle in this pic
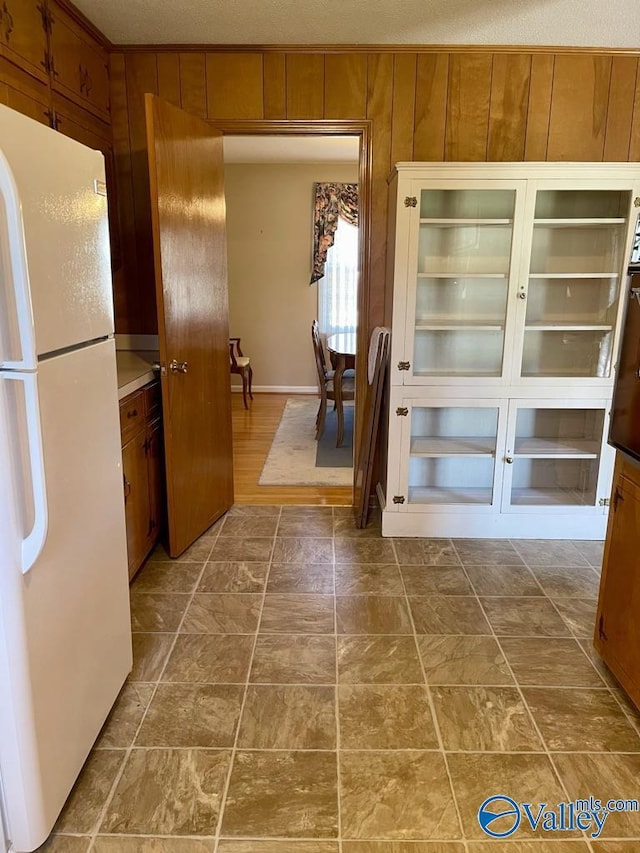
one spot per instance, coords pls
(33, 543)
(13, 237)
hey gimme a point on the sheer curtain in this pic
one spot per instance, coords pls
(337, 289)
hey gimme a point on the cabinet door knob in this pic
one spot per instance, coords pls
(522, 295)
(509, 460)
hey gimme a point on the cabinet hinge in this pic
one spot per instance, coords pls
(398, 499)
(636, 201)
(601, 631)
(47, 19)
(46, 62)
(411, 201)
(617, 497)
(402, 411)
(604, 502)
(8, 25)
(403, 365)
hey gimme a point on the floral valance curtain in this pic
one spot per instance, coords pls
(332, 201)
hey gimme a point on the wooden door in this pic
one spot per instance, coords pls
(190, 256)
(23, 37)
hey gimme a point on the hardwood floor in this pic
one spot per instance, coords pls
(253, 432)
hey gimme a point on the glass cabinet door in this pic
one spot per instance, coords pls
(576, 261)
(464, 249)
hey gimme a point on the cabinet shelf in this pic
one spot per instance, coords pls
(456, 327)
(500, 275)
(547, 497)
(431, 446)
(567, 327)
(580, 223)
(443, 495)
(456, 223)
(576, 275)
(548, 448)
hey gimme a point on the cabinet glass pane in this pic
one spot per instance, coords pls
(572, 302)
(577, 250)
(554, 482)
(452, 454)
(559, 432)
(582, 204)
(565, 352)
(464, 255)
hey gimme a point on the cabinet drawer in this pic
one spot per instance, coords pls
(132, 416)
(152, 401)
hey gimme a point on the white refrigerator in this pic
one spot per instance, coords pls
(65, 633)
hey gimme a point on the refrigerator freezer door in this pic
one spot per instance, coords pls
(65, 648)
(66, 240)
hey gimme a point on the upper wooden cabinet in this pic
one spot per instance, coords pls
(79, 65)
(23, 35)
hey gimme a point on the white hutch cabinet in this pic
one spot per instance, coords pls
(507, 300)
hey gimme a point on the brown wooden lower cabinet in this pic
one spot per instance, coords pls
(143, 476)
(617, 636)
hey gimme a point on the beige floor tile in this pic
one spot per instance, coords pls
(190, 715)
(256, 549)
(581, 720)
(287, 794)
(396, 795)
(303, 550)
(454, 614)
(549, 552)
(435, 580)
(591, 551)
(372, 614)
(65, 844)
(221, 613)
(503, 580)
(228, 846)
(253, 510)
(372, 579)
(545, 846)
(616, 846)
(293, 511)
(150, 653)
(524, 617)
(579, 615)
(234, 577)
(132, 844)
(402, 847)
(527, 778)
(549, 661)
(288, 717)
(604, 776)
(210, 658)
(237, 525)
(604, 671)
(126, 715)
(368, 550)
(157, 611)
(567, 581)
(487, 552)
(168, 792)
(378, 660)
(486, 719)
(426, 552)
(296, 526)
(463, 660)
(86, 801)
(297, 614)
(198, 552)
(385, 716)
(167, 577)
(293, 659)
(346, 526)
(631, 712)
(301, 578)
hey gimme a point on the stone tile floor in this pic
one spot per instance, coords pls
(300, 686)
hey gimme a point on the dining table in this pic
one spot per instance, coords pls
(342, 354)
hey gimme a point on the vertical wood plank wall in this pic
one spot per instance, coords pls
(470, 104)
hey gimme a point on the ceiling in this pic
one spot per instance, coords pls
(580, 23)
(291, 149)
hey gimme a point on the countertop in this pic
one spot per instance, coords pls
(135, 369)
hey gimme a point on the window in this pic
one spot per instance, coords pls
(338, 288)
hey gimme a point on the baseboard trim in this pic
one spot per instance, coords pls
(279, 389)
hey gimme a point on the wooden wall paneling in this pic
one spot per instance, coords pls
(540, 90)
(345, 85)
(125, 280)
(25, 93)
(275, 86)
(193, 83)
(510, 81)
(379, 109)
(634, 145)
(141, 77)
(169, 78)
(404, 104)
(624, 73)
(468, 106)
(432, 80)
(235, 87)
(579, 107)
(305, 85)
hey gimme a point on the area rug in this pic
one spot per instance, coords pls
(327, 454)
(292, 457)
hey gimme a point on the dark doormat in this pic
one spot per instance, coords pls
(327, 454)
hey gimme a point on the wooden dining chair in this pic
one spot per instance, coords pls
(325, 384)
(241, 364)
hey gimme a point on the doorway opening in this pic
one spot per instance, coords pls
(271, 180)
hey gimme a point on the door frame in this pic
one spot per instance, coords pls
(322, 127)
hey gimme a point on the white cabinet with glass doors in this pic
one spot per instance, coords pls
(506, 310)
